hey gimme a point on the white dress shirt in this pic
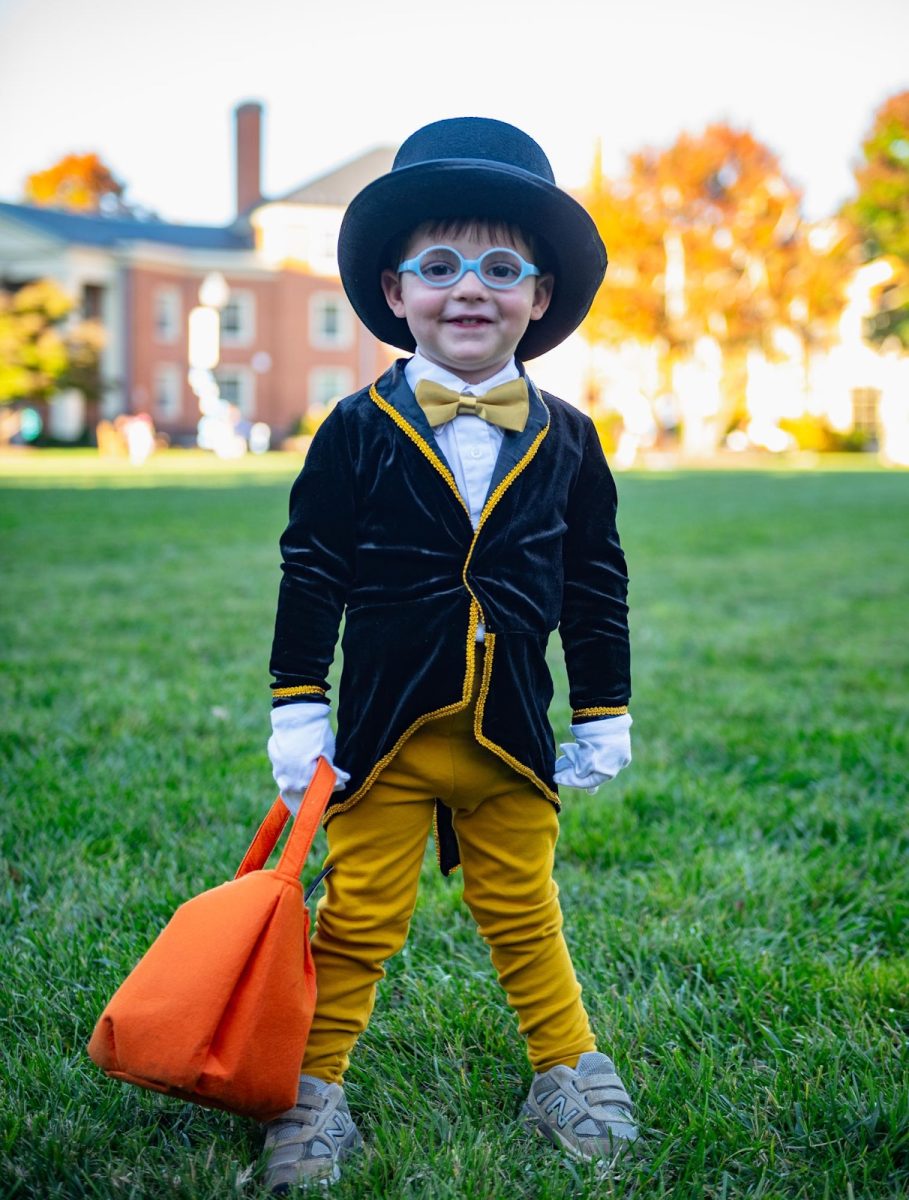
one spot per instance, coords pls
(470, 444)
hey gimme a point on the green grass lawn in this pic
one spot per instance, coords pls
(737, 901)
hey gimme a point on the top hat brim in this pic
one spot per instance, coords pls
(396, 203)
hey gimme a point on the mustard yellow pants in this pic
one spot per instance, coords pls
(506, 832)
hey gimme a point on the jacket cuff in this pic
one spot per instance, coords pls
(306, 693)
(593, 713)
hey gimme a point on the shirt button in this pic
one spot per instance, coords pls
(476, 452)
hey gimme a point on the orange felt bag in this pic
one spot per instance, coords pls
(219, 1009)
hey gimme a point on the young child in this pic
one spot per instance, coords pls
(456, 515)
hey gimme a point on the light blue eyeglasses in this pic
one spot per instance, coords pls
(443, 266)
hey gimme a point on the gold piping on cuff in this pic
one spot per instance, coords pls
(601, 711)
(306, 689)
(420, 442)
(439, 712)
(484, 741)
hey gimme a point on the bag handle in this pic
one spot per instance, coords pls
(306, 822)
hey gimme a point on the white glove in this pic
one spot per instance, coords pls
(300, 734)
(599, 751)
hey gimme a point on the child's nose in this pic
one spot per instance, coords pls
(470, 284)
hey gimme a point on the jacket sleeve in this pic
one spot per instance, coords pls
(317, 549)
(594, 620)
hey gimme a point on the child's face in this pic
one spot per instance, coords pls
(469, 328)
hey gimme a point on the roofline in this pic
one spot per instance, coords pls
(32, 228)
(243, 260)
(127, 229)
(347, 162)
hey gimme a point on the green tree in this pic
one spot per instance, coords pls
(880, 213)
(41, 352)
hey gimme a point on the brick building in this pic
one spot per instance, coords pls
(289, 339)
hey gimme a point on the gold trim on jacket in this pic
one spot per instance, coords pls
(474, 618)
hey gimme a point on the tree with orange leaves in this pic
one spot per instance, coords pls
(880, 213)
(81, 182)
(707, 238)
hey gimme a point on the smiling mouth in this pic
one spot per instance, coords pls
(469, 321)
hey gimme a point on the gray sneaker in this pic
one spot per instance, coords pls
(305, 1144)
(584, 1110)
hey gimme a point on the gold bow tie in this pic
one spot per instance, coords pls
(507, 405)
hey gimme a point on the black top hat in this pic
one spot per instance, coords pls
(471, 167)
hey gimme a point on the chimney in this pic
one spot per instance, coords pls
(249, 155)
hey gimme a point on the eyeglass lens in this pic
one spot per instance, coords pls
(441, 265)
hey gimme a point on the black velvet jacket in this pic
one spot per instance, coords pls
(379, 529)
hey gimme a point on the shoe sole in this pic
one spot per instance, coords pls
(324, 1180)
(307, 1183)
(316, 1179)
(604, 1165)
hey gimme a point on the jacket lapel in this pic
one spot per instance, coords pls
(516, 445)
(392, 393)
(400, 395)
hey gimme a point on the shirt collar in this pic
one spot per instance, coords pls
(419, 367)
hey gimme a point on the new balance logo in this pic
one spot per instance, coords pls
(562, 1116)
(338, 1128)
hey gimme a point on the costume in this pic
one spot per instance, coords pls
(449, 603)
(377, 524)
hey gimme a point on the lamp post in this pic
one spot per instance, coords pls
(214, 291)
(215, 430)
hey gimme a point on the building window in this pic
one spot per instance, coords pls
(327, 247)
(92, 301)
(237, 385)
(865, 411)
(238, 319)
(330, 321)
(328, 384)
(168, 392)
(168, 314)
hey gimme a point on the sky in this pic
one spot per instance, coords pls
(151, 87)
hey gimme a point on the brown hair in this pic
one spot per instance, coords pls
(472, 227)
